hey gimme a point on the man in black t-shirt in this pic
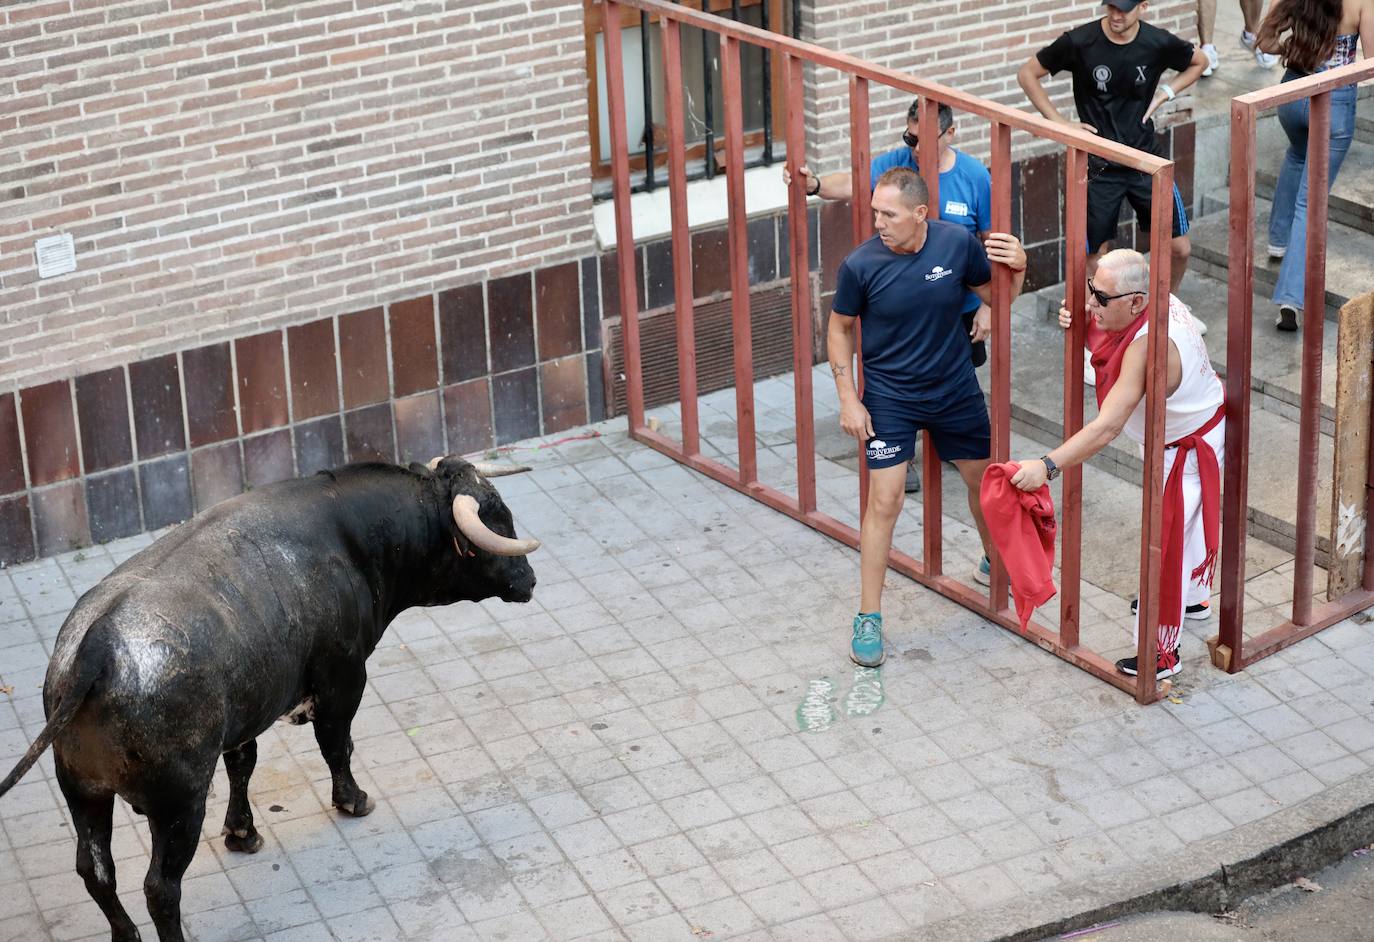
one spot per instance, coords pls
(1117, 62)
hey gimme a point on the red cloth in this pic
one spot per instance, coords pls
(1209, 473)
(1109, 348)
(1022, 527)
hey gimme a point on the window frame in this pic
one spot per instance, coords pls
(630, 18)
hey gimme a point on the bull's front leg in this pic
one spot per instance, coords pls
(338, 690)
(240, 834)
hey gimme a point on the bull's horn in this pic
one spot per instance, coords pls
(491, 469)
(434, 462)
(472, 527)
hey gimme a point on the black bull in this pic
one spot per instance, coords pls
(265, 604)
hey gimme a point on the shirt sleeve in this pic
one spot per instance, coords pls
(983, 210)
(849, 295)
(979, 269)
(1058, 55)
(881, 164)
(1178, 53)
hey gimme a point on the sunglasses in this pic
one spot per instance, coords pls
(1104, 299)
(911, 140)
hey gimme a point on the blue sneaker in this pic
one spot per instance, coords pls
(866, 649)
(983, 574)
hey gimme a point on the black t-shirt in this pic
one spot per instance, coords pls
(1113, 83)
(914, 344)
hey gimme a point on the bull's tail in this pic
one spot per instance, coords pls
(88, 669)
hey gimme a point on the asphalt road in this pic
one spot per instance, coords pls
(1341, 910)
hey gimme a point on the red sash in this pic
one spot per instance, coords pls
(1108, 350)
(1171, 573)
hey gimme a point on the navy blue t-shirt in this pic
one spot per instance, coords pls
(914, 343)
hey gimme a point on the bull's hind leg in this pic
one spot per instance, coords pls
(93, 820)
(174, 824)
(338, 690)
(239, 832)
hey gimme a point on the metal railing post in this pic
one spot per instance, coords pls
(624, 231)
(739, 260)
(800, 268)
(1076, 296)
(683, 293)
(1313, 322)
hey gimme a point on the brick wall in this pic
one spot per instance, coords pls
(232, 166)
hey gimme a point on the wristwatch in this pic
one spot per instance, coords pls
(1051, 469)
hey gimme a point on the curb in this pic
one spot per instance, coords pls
(1323, 830)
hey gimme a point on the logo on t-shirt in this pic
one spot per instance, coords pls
(938, 272)
(879, 450)
(1102, 75)
(1140, 77)
(955, 208)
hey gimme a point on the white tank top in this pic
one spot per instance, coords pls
(1199, 391)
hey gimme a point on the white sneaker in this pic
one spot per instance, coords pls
(1263, 59)
(1277, 251)
(1213, 59)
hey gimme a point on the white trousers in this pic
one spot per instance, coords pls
(1194, 537)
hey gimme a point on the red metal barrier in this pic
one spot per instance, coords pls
(1229, 649)
(793, 54)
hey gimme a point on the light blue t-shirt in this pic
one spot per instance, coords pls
(965, 193)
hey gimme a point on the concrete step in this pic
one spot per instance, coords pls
(1351, 202)
(1364, 119)
(1037, 412)
(1275, 357)
(1349, 254)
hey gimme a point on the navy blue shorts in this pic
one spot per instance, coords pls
(1109, 186)
(958, 427)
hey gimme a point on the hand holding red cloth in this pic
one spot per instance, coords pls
(1022, 527)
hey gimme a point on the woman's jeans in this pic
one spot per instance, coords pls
(1288, 222)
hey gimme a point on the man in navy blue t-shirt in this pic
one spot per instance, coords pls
(906, 284)
(965, 198)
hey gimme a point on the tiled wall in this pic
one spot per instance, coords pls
(139, 446)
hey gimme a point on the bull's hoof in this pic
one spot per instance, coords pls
(360, 807)
(249, 843)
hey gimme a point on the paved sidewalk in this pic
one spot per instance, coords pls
(669, 743)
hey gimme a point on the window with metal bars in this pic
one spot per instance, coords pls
(642, 49)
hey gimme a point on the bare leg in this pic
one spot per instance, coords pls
(1090, 268)
(1206, 20)
(175, 827)
(1250, 11)
(239, 831)
(885, 496)
(1180, 249)
(972, 473)
(334, 711)
(93, 819)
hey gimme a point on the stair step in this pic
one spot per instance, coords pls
(1037, 411)
(1364, 119)
(1352, 198)
(1349, 255)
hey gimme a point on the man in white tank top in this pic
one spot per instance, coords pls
(1118, 307)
